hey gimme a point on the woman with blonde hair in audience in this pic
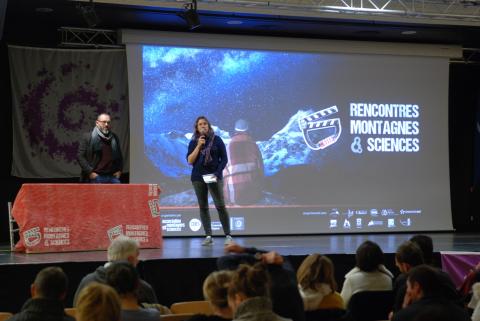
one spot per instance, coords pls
(215, 291)
(98, 302)
(317, 285)
(248, 295)
(369, 274)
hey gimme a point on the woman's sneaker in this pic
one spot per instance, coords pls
(207, 241)
(228, 239)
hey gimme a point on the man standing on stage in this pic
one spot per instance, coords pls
(99, 155)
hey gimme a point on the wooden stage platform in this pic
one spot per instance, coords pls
(191, 248)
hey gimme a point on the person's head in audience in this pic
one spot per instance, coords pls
(422, 281)
(248, 282)
(50, 283)
(425, 243)
(124, 248)
(316, 269)
(433, 313)
(98, 302)
(408, 255)
(215, 290)
(123, 277)
(369, 256)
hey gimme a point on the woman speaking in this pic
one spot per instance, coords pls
(208, 155)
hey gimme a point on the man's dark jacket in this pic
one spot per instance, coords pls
(90, 154)
(145, 294)
(42, 310)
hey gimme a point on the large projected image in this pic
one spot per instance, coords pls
(317, 143)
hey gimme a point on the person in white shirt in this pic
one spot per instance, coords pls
(369, 274)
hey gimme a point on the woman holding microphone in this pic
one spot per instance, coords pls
(208, 156)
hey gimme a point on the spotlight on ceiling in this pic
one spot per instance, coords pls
(190, 15)
(87, 11)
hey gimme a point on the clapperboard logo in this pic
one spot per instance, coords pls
(114, 232)
(32, 237)
(318, 131)
(154, 206)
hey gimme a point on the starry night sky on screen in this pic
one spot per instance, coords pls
(225, 85)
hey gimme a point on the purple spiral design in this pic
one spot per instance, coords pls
(83, 101)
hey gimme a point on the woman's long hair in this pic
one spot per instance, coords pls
(314, 270)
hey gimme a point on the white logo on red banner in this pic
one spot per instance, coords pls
(153, 190)
(114, 232)
(137, 232)
(56, 235)
(32, 236)
(154, 207)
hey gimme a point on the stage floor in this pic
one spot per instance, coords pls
(191, 248)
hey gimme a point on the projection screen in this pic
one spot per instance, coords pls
(348, 138)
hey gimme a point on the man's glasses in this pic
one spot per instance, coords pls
(104, 121)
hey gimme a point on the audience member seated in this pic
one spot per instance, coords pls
(370, 306)
(408, 256)
(48, 292)
(248, 294)
(369, 274)
(448, 289)
(474, 303)
(215, 291)
(434, 313)
(425, 243)
(470, 279)
(423, 289)
(316, 283)
(123, 277)
(98, 302)
(122, 248)
(284, 293)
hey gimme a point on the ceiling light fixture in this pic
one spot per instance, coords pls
(87, 11)
(190, 15)
(44, 10)
(356, 9)
(234, 22)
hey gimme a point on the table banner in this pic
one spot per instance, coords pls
(81, 217)
(459, 264)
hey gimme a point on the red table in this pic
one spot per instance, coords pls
(81, 217)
